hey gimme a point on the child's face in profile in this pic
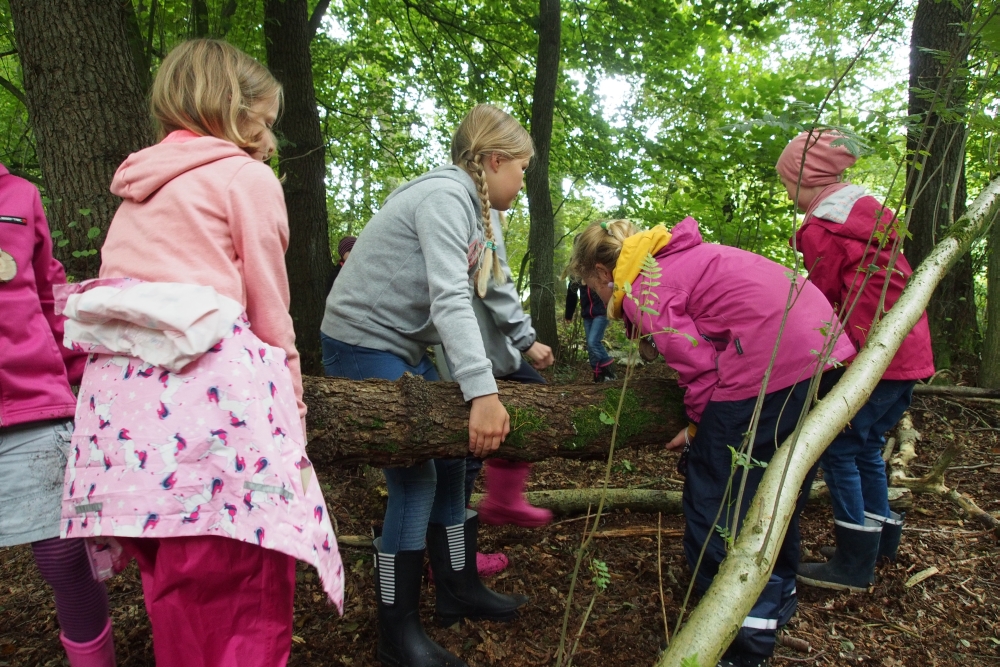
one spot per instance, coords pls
(261, 119)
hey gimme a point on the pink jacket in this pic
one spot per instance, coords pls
(730, 303)
(35, 369)
(199, 210)
(833, 251)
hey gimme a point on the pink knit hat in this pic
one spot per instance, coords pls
(823, 164)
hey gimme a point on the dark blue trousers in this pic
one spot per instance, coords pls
(708, 486)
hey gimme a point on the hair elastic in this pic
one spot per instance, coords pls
(607, 227)
(491, 245)
(611, 284)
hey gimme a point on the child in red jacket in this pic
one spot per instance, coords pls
(36, 422)
(845, 232)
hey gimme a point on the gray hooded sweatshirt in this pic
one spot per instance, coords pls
(407, 284)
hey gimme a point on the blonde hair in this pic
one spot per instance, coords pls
(209, 87)
(486, 130)
(599, 243)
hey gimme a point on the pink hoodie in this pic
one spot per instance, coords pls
(200, 210)
(730, 302)
(35, 369)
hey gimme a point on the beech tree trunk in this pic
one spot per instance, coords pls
(541, 235)
(86, 101)
(989, 369)
(936, 192)
(398, 423)
(302, 161)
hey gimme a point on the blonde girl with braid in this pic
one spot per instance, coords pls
(416, 269)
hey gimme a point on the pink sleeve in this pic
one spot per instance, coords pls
(49, 272)
(824, 256)
(259, 224)
(677, 338)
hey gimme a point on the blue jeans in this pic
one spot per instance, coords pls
(430, 491)
(852, 465)
(596, 352)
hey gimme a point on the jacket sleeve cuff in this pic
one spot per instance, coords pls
(526, 341)
(478, 383)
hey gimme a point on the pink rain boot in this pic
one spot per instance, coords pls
(505, 501)
(98, 652)
(487, 564)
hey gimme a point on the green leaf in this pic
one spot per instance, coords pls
(62, 243)
(84, 211)
(691, 661)
(56, 233)
(93, 233)
(607, 419)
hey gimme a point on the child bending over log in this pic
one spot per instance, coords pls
(715, 314)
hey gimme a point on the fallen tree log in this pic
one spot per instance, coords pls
(386, 424)
(955, 391)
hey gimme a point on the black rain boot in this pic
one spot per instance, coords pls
(736, 659)
(888, 545)
(402, 641)
(853, 566)
(605, 373)
(892, 532)
(460, 592)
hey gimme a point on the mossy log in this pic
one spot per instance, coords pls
(384, 423)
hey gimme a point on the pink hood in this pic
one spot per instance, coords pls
(146, 171)
(727, 305)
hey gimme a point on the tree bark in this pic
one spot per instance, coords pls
(936, 192)
(541, 235)
(302, 161)
(989, 369)
(87, 106)
(743, 574)
(386, 423)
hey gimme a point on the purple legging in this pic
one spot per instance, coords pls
(81, 602)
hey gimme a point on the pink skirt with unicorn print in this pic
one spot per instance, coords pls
(216, 449)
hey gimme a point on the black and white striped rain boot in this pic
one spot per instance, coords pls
(460, 591)
(402, 641)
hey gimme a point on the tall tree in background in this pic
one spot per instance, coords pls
(86, 100)
(288, 32)
(541, 237)
(936, 191)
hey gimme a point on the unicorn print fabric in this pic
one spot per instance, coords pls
(216, 448)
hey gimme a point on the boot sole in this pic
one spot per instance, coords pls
(448, 621)
(831, 585)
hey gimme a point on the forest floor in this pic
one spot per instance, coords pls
(950, 618)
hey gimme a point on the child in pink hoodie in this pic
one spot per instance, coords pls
(844, 234)
(715, 313)
(198, 467)
(36, 410)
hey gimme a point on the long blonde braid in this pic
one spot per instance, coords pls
(484, 131)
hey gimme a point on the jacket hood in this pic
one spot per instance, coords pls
(683, 236)
(449, 172)
(146, 171)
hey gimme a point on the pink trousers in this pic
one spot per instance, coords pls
(216, 602)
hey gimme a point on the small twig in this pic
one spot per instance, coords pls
(659, 574)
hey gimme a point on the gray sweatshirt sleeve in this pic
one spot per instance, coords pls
(443, 228)
(504, 303)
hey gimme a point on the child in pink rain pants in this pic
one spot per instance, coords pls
(189, 446)
(36, 410)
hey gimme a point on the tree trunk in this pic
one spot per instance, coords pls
(541, 235)
(989, 369)
(386, 423)
(88, 110)
(302, 161)
(936, 192)
(746, 569)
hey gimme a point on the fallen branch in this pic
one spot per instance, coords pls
(955, 391)
(405, 422)
(933, 481)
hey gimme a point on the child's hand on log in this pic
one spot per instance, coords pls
(489, 425)
(541, 355)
